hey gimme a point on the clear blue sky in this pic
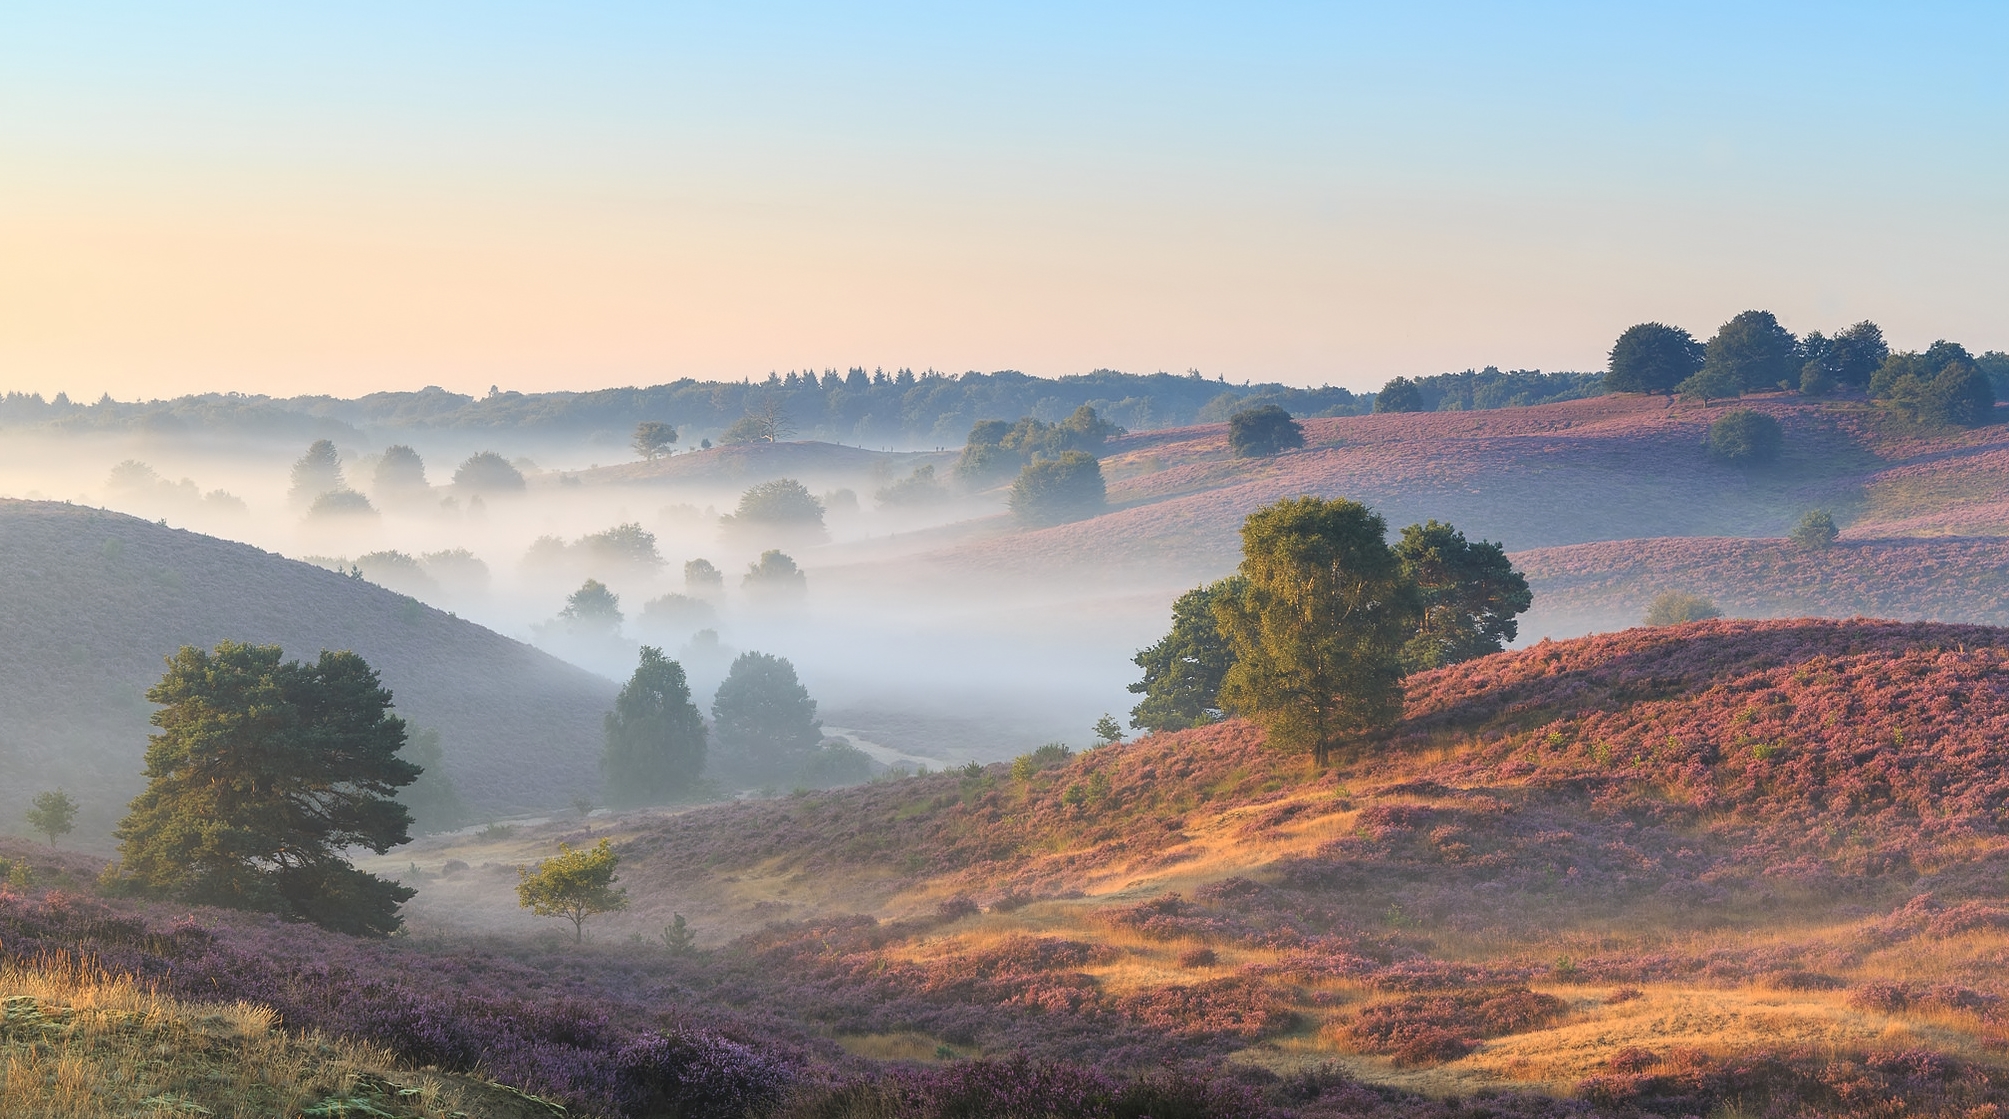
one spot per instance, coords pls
(361, 196)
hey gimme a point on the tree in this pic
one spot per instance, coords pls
(1107, 730)
(653, 439)
(1262, 432)
(917, 489)
(655, 736)
(1319, 626)
(1711, 383)
(783, 503)
(54, 814)
(1943, 385)
(1400, 394)
(263, 773)
(400, 473)
(592, 607)
(1652, 357)
(626, 545)
(766, 422)
(488, 472)
(1816, 531)
(775, 574)
(317, 472)
(1746, 438)
(432, 799)
(1673, 608)
(763, 716)
(1051, 490)
(1470, 595)
(341, 503)
(1184, 670)
(1753, 352)
(701, 578)
(574, 885)
(1847, 360)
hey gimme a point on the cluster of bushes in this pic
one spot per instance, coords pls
(320, 487)
(1484, 389)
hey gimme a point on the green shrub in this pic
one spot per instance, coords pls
(1816, 531)
(1676, 607)
(1746, 438)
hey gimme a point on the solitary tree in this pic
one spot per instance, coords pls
(1050, 490)
(1816, 531)
(783, 503)
(488, 472)
(432, 800)
(1652, 357)
(1754, 352)
(1184, 670)
(1107, 730)
(574, 885)
(655, 736)
(701, 578)
(1470, 596)
(54, 814)
(317, 472)
(763, 715)
(653, 439)
(1673, 608)
(1261, 432)
(592, 607)
(774, 575)
(1746, 438)
(1319, 626)
(400, 473)
(262, 774)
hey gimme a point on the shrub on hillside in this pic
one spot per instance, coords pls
(1943, 385)
(1673, 608)
(918, 488)
(1430, 1029)
(1051, 490)
(1815, 531)
(783, 503)
(488, 472)
(1746, 438)
(774, 575)
(1261, 432)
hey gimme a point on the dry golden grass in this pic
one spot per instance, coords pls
(906, 1046)
(79, 1045)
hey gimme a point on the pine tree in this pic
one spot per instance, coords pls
(655, 736)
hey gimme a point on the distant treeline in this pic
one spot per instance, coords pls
(900, 408)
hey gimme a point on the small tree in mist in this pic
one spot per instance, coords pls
(1261, 432)
(1816, 531)
(54, 814)
(340, 504)
(653, 439)
(1107, 730)
(703, 579)
(400, 473)
(626, 545)
(783, 503)
(574, 885)
(592, 607)
(764, 717)
(1673, 608)
(775, 576)
(488, 472)
(1052, 490)
(317, 472)
(655, 749)
(431, 798)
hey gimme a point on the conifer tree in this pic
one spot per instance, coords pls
(655, 736)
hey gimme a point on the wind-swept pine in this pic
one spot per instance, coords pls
(1319, 626)
(1184, 670)
(655, 736)
(262, 774)
(574, 885)
(1470, 594)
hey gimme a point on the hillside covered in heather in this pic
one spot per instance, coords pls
(91, 602)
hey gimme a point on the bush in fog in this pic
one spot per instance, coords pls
(764, 717)
(781, 503)
(1746, 438)
(456, 567)
(337, 504)
(397, 571)
(918, 488)
(1470, 596)
(592, 608)
(995, 448)
(1672, 608)
(774, 575)
(832, 765)
(628, 544)
(1261, 432)
(1815, 531)
(1052, 490)
(700, 577)
(488, 472)
(262, 773)
(1652, 357)
(653, 438)
(53, 814)
(432, 799)
(677, 613)
(400, 473)
(317, 472)
(574, 885)
(655, 737)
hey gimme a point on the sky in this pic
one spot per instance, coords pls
(375, 196)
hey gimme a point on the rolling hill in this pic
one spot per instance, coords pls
(92, 601)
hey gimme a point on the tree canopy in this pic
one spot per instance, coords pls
(1754, 353)
(592, 607)
(763, 716)
(1746, 438)
(774, 575)
(655, 749)
(1051, 490)
(1319, 625)
(488, 472)
(317, 472)
(574, 885)
(1673, 608)
(1943, 385)
(401, 472)
(1652, 357)
(1184, 670)
(53, 814)
(653, 439)
(1816, 531)
(780, 503)
(1261, 432)
(1470, 596)
(1400, 394)
(262, 773)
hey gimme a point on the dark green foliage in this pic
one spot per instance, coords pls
(1995, 366)
(1319, 625)
(401, 471)
(1714, 382)
(774, 574)
(317, 472)
(1470, 595)
(653, 438)
(655, 749)
(1184, 670)
(1746, 438)
(1816, 531)
(1400, 394)
(1051, 490)
(1465, 391)
(488, 472)
(592, 607)
(1943, 385)
(781, 503)
(262, 774)
(995, 448)
(1753, 352)
(763, 716)
(1261, 432)
(1672, 608)
(918, 488)
(833, 765)
(432, 800)
(1652, 357)
(1107, 730)
(54, 814)
(677, 937)
(1847, 360)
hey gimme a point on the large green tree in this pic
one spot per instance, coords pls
(1652, 357)
(1051, 490)
(262, 774)
(1319, 627)
(1470, 595)
(1753, 352)
(1261, 432)
(1184, 670)
(765, 721)
(655, 736)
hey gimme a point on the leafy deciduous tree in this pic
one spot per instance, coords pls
(653, 438)
(592, 607)
(1400, 394)
(1754, 352)
(763, 716)
(774, 574)
(1816, 531)
(1470, 595)
(1652, 357)
(53, 814)
(262, 774)
(401, 472)
(1673, 608)
(488, 472)
(1184, 670)
(574, 885)
(781, 503)
(1746, 438)
(655, 736)
(1051, 490)
(1261, 432)
(432, 799)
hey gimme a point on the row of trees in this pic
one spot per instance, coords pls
(319, 485)
(1754, 353)
(1313, 634)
